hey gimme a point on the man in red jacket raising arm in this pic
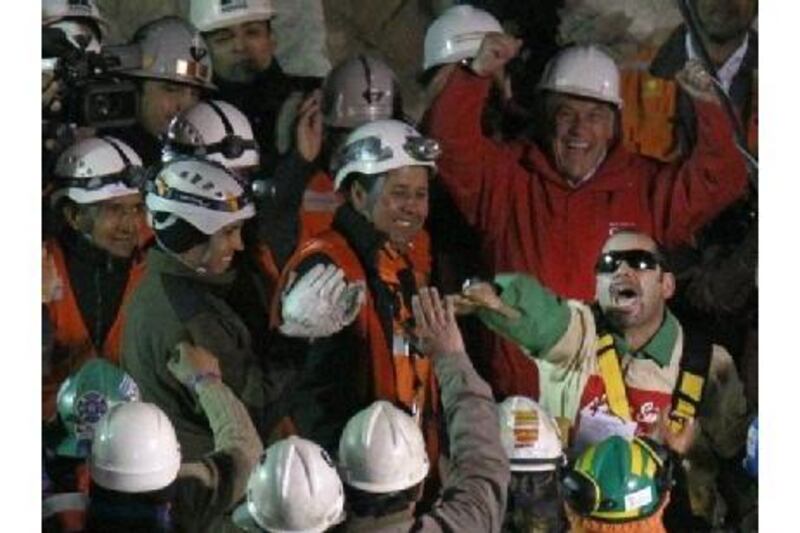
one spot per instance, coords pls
(546, 207)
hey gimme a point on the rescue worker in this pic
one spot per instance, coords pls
(141, 481)
(82, 400)
(672, 374)
(533, 444)
(295, 488)
(619, 485)
(382, 456)
(383, 170)
(176, 71)
(538, 206)
(196, 209)
(93, 264)
(242, 46)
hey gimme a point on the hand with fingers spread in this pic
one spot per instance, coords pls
(437, 329)
(482, 294)
(697, 82)
(309, 126)
(496, 50)
(321, 303)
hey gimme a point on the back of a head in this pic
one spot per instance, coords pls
(358, 90)
(214, 130)
(135, 449)
(529, 435)
(173, 50)
(380, 146)
(294, 488)
(382, 450)
(457, 34)
(85, 397)
(585, 72)
(618, 481)
(211, 15)
(54, 11)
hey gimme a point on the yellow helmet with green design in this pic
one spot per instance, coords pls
(618, 480)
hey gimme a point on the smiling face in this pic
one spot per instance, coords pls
(112, 225)
(216, 255)
(241, 51)
(634, 298)
(582, 131)
(399, 206)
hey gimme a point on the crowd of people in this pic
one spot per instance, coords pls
(275, 303)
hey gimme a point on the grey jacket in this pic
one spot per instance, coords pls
(208, 488)
(473, 497)
(174, 304)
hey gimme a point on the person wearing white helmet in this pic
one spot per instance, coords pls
(141, 478)
(294, 489)
(532, 441)
(519, 196)
(353, 283)
(382, 454)
(82, 401)
(242, 46)
(196, 209)
(176, 71)
(92, 264)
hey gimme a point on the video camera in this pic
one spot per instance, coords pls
(92, 93)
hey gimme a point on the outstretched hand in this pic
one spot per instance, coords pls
(309, 126)
(697, 82)
(437, 329)
(496, 50)
(482, 294)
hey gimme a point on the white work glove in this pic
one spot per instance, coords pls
(321, 303)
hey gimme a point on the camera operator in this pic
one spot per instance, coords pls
(175, 71)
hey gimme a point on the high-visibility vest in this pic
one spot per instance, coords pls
(73, 343)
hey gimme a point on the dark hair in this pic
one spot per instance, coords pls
(180, 236)
(362, 503)
(146, 512)
(367, 181)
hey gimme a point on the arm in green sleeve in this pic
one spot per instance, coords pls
(545, 317)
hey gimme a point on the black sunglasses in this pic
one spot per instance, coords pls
(609, 262)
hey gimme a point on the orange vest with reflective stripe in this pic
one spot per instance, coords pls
(400, 379)
(649, 114)
(72, 339)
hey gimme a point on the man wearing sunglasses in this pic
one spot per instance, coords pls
(624, 364)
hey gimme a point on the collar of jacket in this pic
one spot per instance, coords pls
(271, 77)
(162, 262)
(613, 173)
(78, 247)
(672, 55)
(660, 346)
(360, 234)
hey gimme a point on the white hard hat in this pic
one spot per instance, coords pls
(295, 488)
(457, 34)
(382, 450)
(583, 71)
(200, 192)
(359, 90)
(173, 50)
(215, 130)
(57, 10)
(97, 169)
(210, 15)
(529, 436)
(79, 35)
(381, 146)
(134, 449)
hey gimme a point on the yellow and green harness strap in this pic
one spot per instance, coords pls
(610, 372)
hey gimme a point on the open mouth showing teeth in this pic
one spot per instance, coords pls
(625, 297)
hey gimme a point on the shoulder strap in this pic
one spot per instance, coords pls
(692, 377)
(610, 371)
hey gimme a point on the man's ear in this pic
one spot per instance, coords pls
(72, 214)
(667, 285)
(358, 197)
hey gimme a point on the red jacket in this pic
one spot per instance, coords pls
(530, 220)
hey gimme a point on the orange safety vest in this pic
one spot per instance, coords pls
(649, 113)
(320, 202)
(72, 335)
(402, 379)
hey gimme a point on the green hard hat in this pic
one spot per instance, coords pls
(617, 480)
(85, 397)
